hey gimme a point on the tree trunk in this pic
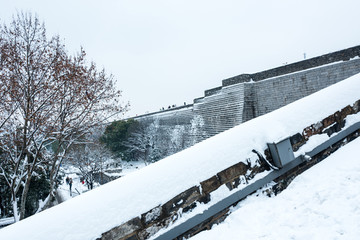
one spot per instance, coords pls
(47, 201)
(15, 208)
(24, 196)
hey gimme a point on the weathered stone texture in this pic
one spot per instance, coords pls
(124, 231)
(151, 215)
(331, 124)
(232, 172)
(182, 200)
(210, 184)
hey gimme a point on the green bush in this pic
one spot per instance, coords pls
(116, 134)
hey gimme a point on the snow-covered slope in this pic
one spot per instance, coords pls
(89, 215)
(321, 203)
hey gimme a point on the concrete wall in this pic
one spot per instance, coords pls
(246, 96)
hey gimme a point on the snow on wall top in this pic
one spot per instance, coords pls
(89, 215)
(327, 209)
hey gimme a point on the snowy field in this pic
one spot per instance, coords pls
(321, 203)
(89, 215)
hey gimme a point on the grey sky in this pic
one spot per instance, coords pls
(165, 52)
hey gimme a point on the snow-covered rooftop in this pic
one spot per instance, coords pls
(89, 215)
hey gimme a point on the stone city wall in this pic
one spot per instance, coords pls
(247, 96)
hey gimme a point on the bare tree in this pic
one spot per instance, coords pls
(91, 158)
(52, 100)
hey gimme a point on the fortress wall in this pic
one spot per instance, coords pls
(338, 56)
(222, 110)
(168, 131)
(247, 96)
(273, 93)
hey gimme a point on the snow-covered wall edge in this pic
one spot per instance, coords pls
(233, 177)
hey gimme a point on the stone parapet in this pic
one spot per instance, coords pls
(162, 216)
(343, 55)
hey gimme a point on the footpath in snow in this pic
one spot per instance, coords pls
(321, 203)
(87, 216)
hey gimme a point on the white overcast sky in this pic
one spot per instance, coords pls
(165, 52)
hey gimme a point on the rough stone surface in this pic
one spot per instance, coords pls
(331, 124)
(232, 172)
(151, 215)
(297, 140)
(182, 200)
(210, 184)
(124, 231)
(148, 232)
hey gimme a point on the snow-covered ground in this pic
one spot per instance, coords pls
(78, 187)
(89, 215)
(321, 203)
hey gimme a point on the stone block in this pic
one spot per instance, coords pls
(334, 128)
(151, 215)
(233, 184)
(210, 184)
(345, 112)
(182, 200)
(328, 121)
(155, 226)
(124, 231)
(232, 172)
(297, 140)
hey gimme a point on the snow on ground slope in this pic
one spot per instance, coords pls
(89, 215)
(321, 203)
